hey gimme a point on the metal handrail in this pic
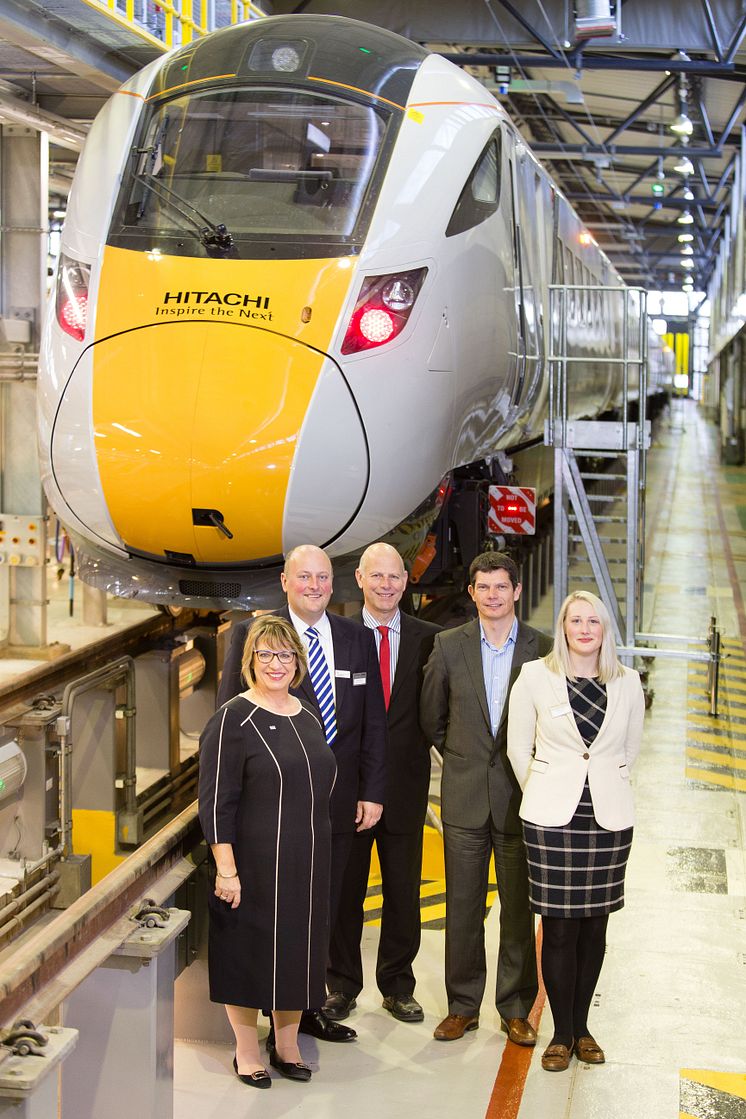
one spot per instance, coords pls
(172, 23)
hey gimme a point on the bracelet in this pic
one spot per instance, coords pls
(219, 875)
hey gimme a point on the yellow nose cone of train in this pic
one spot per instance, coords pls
(199, 405)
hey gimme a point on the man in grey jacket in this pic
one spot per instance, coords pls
(464, 712)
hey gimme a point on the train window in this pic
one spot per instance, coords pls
(481, 195)
(260, 163)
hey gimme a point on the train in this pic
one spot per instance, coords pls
(303, 286)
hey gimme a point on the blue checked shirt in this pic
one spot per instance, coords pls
(496, 666)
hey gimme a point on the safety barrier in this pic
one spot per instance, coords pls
(172, 23)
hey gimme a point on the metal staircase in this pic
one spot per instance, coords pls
(599, 465)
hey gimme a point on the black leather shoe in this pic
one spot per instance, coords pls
(404, 1007)
(291, 1070)
(258, 1079)
(316, 1023)
(338, 1006)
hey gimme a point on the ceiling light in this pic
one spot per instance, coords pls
(684, 238)
(688, 195)
(687, 250)
(685, 219)
(687, 263)
(682, 126)
(685, 166)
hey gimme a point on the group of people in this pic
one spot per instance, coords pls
(321, 746)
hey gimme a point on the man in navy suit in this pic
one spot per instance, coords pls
(404, 644)
(356, 730)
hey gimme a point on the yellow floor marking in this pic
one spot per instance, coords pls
(734, 742)
(734, 1083)
(429, 889)
(703, 706)
(715, 758)
(706, 777)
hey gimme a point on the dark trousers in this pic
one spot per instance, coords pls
(400, 857)
(342, 842)
(467, 859)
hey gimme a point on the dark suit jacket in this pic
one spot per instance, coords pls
(478, 780)
(408, 758)
(361, 742)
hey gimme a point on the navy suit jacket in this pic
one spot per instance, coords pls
(361, 743)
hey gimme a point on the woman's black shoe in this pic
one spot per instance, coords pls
(293, 1070)
(260, 1079)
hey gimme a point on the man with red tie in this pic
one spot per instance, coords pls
(403, 645)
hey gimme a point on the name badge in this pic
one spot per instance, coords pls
(342, 673)
(562, 709)
(359, 678)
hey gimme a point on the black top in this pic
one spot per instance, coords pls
(588, 702)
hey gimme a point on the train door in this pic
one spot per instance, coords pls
(528, 230)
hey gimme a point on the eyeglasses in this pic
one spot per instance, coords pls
(266, 656)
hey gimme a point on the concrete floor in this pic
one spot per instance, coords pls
(671, 1005)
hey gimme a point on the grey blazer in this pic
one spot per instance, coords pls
(478, 780)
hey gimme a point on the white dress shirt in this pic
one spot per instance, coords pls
(324, 630)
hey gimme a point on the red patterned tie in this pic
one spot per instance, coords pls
(384, 656)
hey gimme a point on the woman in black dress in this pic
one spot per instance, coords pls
(574, 731)
(266, 775)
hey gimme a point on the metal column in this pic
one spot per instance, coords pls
(124, 1011)
(23, 265)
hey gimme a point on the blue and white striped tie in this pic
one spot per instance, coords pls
(322, 683)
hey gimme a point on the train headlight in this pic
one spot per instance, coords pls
(382, 309)
(71, 303)
(285, 59)
(398, 295)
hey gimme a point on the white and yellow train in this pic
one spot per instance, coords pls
(303, 278)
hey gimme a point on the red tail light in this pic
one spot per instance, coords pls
(72, 296)
(382, 309)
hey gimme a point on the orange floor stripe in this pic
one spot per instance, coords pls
(511, 1076)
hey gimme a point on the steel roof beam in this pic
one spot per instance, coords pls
(732, 118)
(570, 120)
(513, 11)
(568, 151)
(657, 93)
(713, 30)
(595, 62)
(700, 102)
(669, 202)
(736, 41)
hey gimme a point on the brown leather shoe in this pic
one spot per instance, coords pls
(455, 1026)
(519, 1030)
(588, 1050)
(555, 1058)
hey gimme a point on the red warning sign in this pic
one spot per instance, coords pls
(512, 510)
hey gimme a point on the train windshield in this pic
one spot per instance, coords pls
(218, 171)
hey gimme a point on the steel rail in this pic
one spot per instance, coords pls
(44, 970)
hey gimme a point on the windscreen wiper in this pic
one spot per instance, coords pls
(211, 234)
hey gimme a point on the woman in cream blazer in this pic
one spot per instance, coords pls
(574, 731)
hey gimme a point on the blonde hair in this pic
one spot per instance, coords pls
(277, 632)
(558, 660)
